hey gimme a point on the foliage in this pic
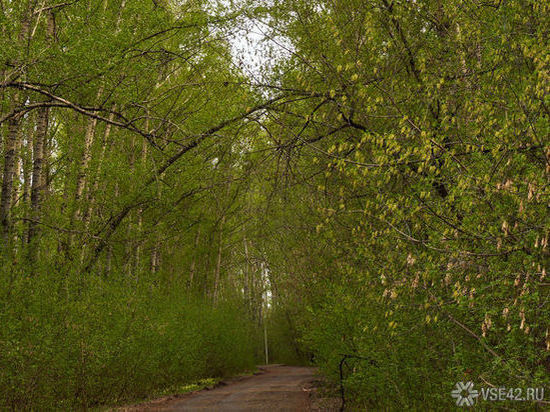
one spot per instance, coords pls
(112, 344)
(379, 190)
(417, 171)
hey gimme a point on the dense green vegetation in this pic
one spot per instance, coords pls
(114, 344)
(378, 192)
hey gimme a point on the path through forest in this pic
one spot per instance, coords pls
(276, 388)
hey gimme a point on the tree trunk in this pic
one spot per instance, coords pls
(108, 261)
(137, 256)
(130, 242)
(16, 191)
(27, 173)
(194, 259)
(83, 166)
(246, 281)
(95, 186)
(218, 263)
(38, 183)
(91, 198)
(155, 256)
(10, 143)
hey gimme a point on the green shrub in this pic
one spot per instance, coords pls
(110, 343)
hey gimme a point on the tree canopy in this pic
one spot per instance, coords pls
(375, 193)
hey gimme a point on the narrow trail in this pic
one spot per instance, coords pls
(276, 388)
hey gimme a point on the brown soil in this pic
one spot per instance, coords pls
(275, 388)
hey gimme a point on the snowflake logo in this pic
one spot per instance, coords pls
(465, 394)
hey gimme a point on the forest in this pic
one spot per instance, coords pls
(363, 184)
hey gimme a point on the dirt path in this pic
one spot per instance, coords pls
(277, 388)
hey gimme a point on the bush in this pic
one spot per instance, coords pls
(66, 344)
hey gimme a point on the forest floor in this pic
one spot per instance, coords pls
(274, 388)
